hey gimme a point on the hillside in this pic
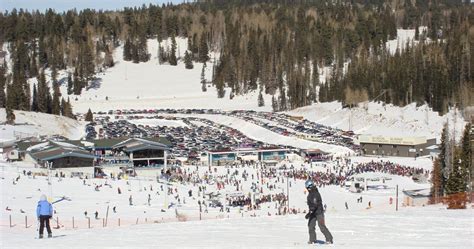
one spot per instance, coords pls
(128, 85)
(28, 124)
(384, 119)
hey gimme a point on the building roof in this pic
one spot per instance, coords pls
(135, 144)
(368, 139)
(110, 143)
(314, 151)
(417, 193)
(23, 145)
(222, 151)
(55, 153)
(53, 150)
(4, 143)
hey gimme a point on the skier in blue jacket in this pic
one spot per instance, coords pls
(44, 212)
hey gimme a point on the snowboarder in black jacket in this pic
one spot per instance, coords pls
(316, 214)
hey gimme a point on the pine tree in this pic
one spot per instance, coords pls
(162, 56)
(203, 49)
(77, 83)
(87, 62)
(456, 184)
(143, 55)
(55, 104)
(436, 180)
(109, 58)
(34, 103)
(127, 54)
(68, 109)
(417, 32)
(203, 79)
(173, 59)
(261, 101)
(443, 157)
(10, 115)
(188, 61)
(49, 102)
(70, 84)
(3, 82)
(135, 54)
(89, 117)
(466, 151)
(274, 104)
(42, 54)
(61, 106)
(283, 106)
(43, 93)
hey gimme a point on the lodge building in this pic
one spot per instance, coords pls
(396, 146)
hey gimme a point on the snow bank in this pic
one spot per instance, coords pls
(383, 119)
(33, 124)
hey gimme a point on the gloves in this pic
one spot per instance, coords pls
(307, 215)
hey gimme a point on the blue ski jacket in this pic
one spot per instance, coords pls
(44, 208)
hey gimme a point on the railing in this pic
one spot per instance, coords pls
(71, 223)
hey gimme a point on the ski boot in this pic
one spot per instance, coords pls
(40, 236)
(50, 235)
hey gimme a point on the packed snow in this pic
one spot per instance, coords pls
(405, 37)
(376, 118)
(159, 220)
(129, 85)
(33, 124)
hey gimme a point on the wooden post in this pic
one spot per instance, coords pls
(136, 222)
(57, 222)
(89, 222)
(103, 222)
(288, 191)
(73, 222)
(10, 220)
(118, 221)
(200, 218)
(107, 216)
(397, 200)
(26, 221)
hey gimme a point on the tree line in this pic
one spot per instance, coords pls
(274, 47)
(450, 177)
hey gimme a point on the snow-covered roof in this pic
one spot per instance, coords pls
(134, 144)
(417, 193)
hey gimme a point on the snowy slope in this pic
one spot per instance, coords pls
(404, 37)
(380, 119)
(34, 124)
(358, 227)
(151, 85)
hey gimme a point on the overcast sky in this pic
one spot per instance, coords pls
(61, 5)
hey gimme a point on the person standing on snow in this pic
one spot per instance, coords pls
(316, 214)
(44, 212)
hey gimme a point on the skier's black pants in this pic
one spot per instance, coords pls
(44, 220)
(322, 226)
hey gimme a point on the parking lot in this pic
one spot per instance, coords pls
(193, 136)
